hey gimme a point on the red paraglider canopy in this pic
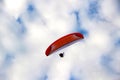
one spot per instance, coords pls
(62, 42)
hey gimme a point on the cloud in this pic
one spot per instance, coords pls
(27, 28)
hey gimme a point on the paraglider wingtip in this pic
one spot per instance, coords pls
(80, 35)
(48, 51)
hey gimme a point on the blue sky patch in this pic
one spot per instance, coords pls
(8, 60)
(21, 27)
(93, 9)
(117, 42)
(106, 63)
(30, 8)
(78, 26)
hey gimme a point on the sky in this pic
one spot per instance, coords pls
(28, 27)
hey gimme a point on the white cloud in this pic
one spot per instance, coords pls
(52, 20)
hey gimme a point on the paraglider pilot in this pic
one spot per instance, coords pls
(61, 55)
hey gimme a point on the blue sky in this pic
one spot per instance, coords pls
(28, 27)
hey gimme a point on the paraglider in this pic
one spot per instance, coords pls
(63, 41)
